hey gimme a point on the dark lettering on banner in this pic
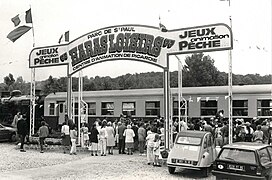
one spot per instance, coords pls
(99, 44)
(49, 56)
(201, 39)
(83, 64)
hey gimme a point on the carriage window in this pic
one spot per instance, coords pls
(61, 108)
(129, 108)
(107, 108)
(51, 108)
(75, 108)
(92, 108)
(152, 108)
(208, 108)
(182, 108)
(240, 108)
(264, 107)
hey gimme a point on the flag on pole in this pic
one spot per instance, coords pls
(22, 20)
(66, 37)
(17, 33)
(161, 26)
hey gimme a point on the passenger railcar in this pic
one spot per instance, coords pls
(248, 101)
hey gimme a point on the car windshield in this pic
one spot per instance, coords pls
(238, 155)
(188, 140)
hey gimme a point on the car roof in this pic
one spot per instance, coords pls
(246, 145)
(189, 133)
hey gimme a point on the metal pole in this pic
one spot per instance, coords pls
(79, 103)
(166, 108)
(32, 103)
(179, 89)
(230, 90)
(69, 94)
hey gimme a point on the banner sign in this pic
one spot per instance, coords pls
(205, 38)
(48, 56)
(134, 42)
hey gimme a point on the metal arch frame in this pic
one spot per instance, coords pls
(165, 68)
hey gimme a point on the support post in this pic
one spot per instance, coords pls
(230, 91)
(32, 103)
(69, 94)
(230, 98)
(167, 107)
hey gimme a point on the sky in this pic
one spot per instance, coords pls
(251, 27)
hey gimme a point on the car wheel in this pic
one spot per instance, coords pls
(13, 138)
(171, 170)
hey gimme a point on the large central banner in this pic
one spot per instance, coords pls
(132, 42)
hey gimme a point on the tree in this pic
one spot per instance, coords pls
(200, 71)
(51, 86)
(9, 81)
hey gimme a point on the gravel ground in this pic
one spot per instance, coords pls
(56, 165)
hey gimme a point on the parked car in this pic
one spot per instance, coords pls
(7, 133)
(192, 150)
(244, 160)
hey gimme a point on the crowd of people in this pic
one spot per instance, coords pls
(250, 130)
(126, 135)
(131, 135)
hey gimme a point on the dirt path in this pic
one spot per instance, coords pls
(56, 165)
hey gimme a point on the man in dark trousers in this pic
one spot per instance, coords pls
(22, 131)
(121, 130)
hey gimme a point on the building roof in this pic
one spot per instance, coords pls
(186, 91)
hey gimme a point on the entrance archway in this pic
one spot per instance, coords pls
(132, 42)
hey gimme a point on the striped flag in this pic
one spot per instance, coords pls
(162, 27)
(64, 37)
(23, 20)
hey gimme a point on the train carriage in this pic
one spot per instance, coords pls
(248, 101)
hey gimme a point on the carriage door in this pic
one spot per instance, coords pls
(61, 111)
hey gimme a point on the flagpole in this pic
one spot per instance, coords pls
(32, 88)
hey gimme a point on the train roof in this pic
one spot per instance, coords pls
(187, 91)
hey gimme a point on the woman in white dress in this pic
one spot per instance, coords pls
(110, 138)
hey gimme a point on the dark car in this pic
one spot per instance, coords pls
(244, 160)
(7, 133)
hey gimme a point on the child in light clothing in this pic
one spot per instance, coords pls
(73, 135)
(156, 150)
